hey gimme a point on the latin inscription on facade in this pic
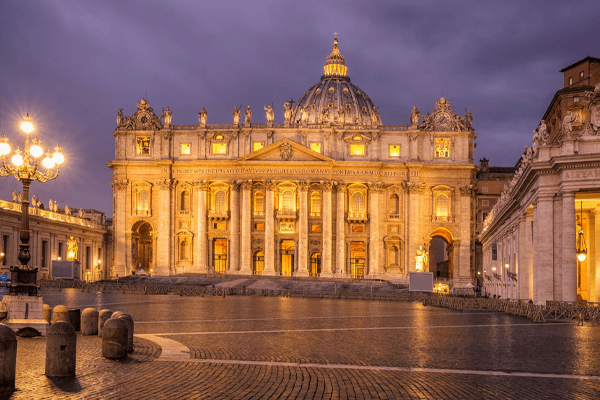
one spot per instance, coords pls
(582, 174)
(298, 171)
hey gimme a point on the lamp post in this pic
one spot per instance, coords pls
(25, 169)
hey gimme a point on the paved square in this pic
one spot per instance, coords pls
(242, 347)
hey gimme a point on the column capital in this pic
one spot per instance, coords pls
(303, 186)
(327, 186)
(246, 185)
(201, 185)
(376, 186)
(270, 185)
(413, 187)
(467, 190)
(166, 184)
(341, 187)
(119, 184)
(235, 185)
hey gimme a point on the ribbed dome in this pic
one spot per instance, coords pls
(335, 100)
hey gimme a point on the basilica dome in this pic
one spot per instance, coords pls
(334, 100)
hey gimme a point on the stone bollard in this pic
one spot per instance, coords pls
(114, 338)
(89, 321)
(8, 358)
(117, 314)
(75, 318)
(47, 312)
(103, 316)
(129, 322)
(61, 350)
(60, 314)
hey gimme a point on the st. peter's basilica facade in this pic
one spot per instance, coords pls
(328, 192)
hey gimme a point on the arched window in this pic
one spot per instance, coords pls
(183, 250)
(357, 204)
(394, 204)
(259, 203)
(185, 200)
(315, 204)
(289, 202)
(393, 256)
(220, 202)
(441, 207)
(143, 201)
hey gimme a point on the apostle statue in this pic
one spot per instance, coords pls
(375, 116)
(202, 116)
(304, 117)
(287, 111)
(236, 115)
(14, 196)
(81, 213)
(421, 259)
(414, 116)
(67, 210)
(270, 113)
(119, 117)
(247, 115)
(19, 197)
(167, 113)
(469, 119)
(567, 125)
(342, 118)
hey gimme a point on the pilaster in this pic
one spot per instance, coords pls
(302, 258)
(202, 209)
(119, 266)
(414, 190)
(374, 235)
(270, 188)
(327, 230)
(234, 233)
(246, 235)
(340, 234)
(569, 248)
(165, 186)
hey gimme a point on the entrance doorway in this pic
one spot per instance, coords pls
(357, 259)
(141, 247)
(220, 256)
(287, 257)
(315, 264)
(441, 253)
(259, 263)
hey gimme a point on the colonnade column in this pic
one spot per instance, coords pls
(543, 249)
(595, 267)
(463, 270)
(569, 248)
(246, 235)
(270, 187)
(327, 230)
(164, 226)
(523, 273)
(120, 232)
(591, 257)
(202, 225)
(340, 233)
(234, 236)
(303, 231)
(374, 190)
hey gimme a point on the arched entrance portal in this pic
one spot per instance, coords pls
(441, 253)
(141, 247)
(258, 263)
(315, 264)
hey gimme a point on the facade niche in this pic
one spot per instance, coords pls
(142, 198)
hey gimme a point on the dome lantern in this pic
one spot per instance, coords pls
(336, 64)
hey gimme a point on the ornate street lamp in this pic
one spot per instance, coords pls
(25, 169)
(581, 248)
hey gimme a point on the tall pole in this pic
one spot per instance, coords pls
(24, 253)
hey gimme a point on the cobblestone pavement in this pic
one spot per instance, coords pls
(291, 348)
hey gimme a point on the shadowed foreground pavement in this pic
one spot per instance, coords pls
(275, 347)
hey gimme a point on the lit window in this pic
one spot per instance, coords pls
(257, 146)
(357, 138)
(259, 201)
(315, 146)
(394, 150)
(570, 80)
(315, 228)
(289, 202)
(358, 229)
(143, 145)
(442, 148)
(357, 204)
(259, 226)
(143, 201)
(441, 207)
(357, 149)
(581, 76)
(576, 99)
(220, 202)
(315, 204)
(219, 148)
(186, 148)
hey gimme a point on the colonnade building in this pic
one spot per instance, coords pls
(541, 241)
(331, 191)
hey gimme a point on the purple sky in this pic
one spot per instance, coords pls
(73, 64)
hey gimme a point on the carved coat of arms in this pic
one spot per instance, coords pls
(286, 151)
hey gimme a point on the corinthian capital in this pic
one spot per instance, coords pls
(202, 185)
(413, 187)
(166, 184)
(466, 190)
(119, 184)
(376, 186)
(327, 186)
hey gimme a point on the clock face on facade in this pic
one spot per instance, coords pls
(143, 118)
(442, 120)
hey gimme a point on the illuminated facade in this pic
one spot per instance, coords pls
(328, 192)
(541, 241)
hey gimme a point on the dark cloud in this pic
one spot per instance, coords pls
(72, 64)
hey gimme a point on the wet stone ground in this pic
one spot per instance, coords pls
(242, 347)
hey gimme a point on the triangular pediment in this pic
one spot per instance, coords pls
(286, 150)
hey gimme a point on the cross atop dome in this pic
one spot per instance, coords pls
(336, 64)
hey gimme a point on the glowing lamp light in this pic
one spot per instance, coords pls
(58, 157)
(59, 258)
(35, 150)
(48, 162)
(26, 125)
(17, 159)
(506, 265)
(4, 146)
(493, 268)
(581, 256)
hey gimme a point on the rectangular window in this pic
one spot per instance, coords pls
(494, 251)
(394, 150)
(484, 189)
(220, 226)
(219, 148)
(286, 227)
(88, 257)
(581, 76)
(315, 228)
(357, 149)
(60, 251)
(4, 249)
(44, 254)
(186, 149)
(358, 229)
(315, 146)
(485, 202)
(442, 148)
(570, 80)
(257, 146)
(259, 226)
(143, 145)
(484, 216)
